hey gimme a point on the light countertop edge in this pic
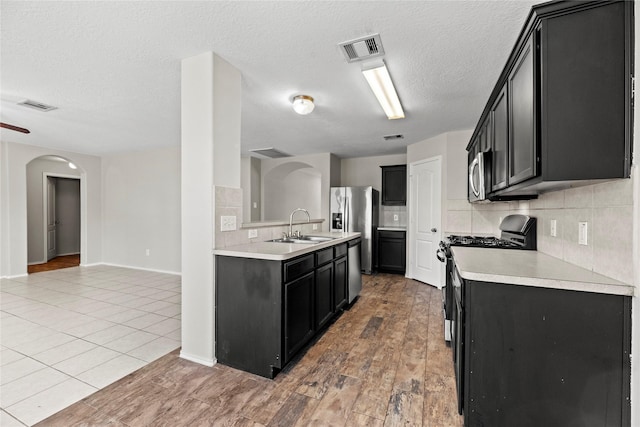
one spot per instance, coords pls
(275, 251)
(532, 268)
(390, 228)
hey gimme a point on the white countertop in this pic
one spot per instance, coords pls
(532, 268)
(282, 251)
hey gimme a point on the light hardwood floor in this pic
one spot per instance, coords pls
(381, 363)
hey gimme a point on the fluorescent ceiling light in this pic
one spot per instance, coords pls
(380, 82)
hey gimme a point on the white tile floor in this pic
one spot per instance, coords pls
(65, 334)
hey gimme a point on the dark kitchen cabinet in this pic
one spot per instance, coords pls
(394, 185)
(267, 310)
(392, 251)
(298, 314)
(340, 283)
(562, 105)
(324, 295)
(522, 136)
(544, 357)
(500, 145)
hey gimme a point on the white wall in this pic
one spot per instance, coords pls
(365, 171)
(13, 199)
(320, 162)
(300, 188)
(141, 194)
(35, 210)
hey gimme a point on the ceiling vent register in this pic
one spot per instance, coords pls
(363, 48)
(37, 105)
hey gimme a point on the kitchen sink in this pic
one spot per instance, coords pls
(303, 239)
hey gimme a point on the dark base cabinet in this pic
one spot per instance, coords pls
(545, 357)
(392, 251)
(267, 311)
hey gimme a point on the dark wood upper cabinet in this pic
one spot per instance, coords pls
(522, 101)
(499, 159)
(561, 109)
(394, 185)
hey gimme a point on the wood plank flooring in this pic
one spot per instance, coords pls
(382, 363)
(56, 263)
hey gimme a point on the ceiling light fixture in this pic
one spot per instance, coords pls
(380, 82)
(302, 104)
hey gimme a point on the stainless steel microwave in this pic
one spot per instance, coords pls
(478, 177)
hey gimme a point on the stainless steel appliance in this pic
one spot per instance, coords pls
(356, 209)
(479, 170)
(516, 232)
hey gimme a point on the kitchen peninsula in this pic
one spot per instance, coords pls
(273, 297)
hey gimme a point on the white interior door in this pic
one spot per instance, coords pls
(51, 218)
(425, 184)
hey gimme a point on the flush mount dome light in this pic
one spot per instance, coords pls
(302, 104)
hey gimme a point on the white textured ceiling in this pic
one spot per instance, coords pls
(113, 69)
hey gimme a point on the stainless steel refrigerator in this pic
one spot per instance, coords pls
(356, 209)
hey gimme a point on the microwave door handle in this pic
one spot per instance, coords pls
(474, 164)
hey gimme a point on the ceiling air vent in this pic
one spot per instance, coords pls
(37, 105)
(393, 137)
(270, 152)
(363, 48)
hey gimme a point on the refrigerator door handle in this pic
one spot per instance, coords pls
(346, 215)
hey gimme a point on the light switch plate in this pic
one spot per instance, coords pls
(583, 228)
(315, 226)
(553, 228)
(253, 234)
(227, 223)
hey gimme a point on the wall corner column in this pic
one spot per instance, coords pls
(210, 157)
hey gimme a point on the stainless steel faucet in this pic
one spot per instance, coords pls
(291, 221)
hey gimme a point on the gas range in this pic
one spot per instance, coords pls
(480, 242)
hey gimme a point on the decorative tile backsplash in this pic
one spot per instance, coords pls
(606, 207)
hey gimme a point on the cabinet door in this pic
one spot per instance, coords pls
(324, 290)
(394, 185)
(298, 313)
(499, 112)
(340, 282)
(522, 132)
(391, 251)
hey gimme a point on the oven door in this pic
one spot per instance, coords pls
(477, 178)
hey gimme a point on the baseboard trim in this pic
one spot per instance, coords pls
(197, 359)
(175, 273)
(15, 276)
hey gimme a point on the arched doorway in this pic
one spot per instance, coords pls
(53, 213)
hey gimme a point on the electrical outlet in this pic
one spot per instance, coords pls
(253, 234)
(227, 223)
(147, 252)
(315, 226)
(395, 217)
(553, 226)
(583, 229)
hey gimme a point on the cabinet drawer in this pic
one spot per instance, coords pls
(340, 250)
(298, 267)
(387, 234)
(324, 256)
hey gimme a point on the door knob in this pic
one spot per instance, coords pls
(433, 230)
